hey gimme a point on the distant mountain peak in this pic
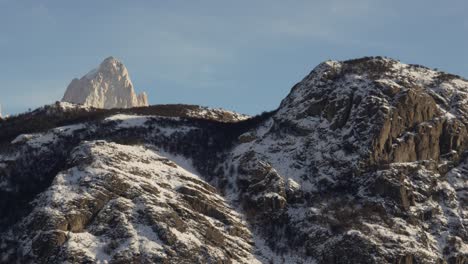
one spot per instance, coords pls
(107, 86)
(110, 58)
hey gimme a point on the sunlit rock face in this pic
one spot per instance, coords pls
(108, 86)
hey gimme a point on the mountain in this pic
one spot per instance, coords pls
(108, 86)
(365, 161)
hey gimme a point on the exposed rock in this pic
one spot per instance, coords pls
(374, 138)
(47, 244)
(106, 207)
(246, 137)
(263, 187)
(108, 86)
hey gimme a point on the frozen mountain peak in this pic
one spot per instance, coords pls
(111, 59)
(331, 63)
(112, 63)
(326, 66)
(107, 86)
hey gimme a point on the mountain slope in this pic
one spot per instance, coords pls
(129, 203)
(365, 161)
(359, 165)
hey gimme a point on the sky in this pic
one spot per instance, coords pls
(242, 55)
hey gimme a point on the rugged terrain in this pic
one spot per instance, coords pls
(365, 161)
(107, 86)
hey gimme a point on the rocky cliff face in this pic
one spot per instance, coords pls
(365, 161)
(108, 86)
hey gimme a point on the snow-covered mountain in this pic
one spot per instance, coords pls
(365, 161)
(107, 86)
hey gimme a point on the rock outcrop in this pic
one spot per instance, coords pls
(108, 86)
(111, 205)
(379, 150)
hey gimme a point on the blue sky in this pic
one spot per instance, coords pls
(240, 55)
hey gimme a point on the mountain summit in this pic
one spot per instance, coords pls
(108, 86)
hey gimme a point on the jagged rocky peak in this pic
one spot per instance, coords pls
(380, 101)
(107, 86)
(371, 145)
